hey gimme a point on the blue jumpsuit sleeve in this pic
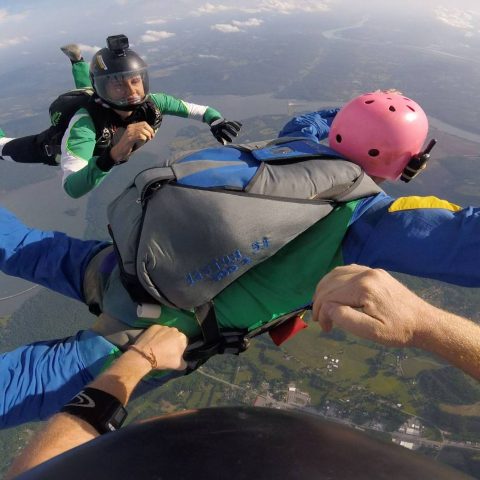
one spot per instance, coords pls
(38, 379)
(314, 126)
(51, 259)
(421, 236)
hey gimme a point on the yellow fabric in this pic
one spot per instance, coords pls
(414, 203)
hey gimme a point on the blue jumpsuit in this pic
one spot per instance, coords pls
(420, 236)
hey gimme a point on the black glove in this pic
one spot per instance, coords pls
(224, 130)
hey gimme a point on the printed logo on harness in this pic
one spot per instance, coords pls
(55, 118)
(260, 245)
(220, 267)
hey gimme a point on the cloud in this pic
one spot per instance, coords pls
(236, 25)
(201, 55)
(8, 17)
(226, 28)
(251, 22)
(211, 8)
(155, 36)
(294, 6)
(12, 41)
(276, 6)
(88, 48)
(154, 21)
(455, 17)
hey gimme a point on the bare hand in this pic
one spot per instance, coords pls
(370, 304)
(135, 135)
(166, 345)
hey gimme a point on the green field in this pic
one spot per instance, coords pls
(4, 321)
(412, 366)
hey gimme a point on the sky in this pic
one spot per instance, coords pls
(33, 28)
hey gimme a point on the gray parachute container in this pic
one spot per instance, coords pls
(182, 245)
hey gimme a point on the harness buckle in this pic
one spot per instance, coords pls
(49, 150)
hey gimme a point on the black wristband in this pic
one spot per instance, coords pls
(102, 411)
(105, 162)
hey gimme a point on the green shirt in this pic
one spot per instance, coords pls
(80, 171)
(277, 286)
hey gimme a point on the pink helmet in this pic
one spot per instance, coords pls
(380, 132)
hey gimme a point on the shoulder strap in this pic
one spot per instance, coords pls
(151, 178)
(287, 149)
(102, 118)
(147, 112)
(363, 186)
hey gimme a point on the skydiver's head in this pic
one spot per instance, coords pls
(119, 76)
(380, 131)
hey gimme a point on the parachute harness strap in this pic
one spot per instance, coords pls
(207, 320)
(214, 342)
(227, 341)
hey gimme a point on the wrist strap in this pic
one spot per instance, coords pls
(105, 162)
(102, 411)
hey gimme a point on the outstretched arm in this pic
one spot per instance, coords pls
(223, 130)
(373, 305)
(422, 236)
(160, 348)
(313, 126)
(37, 379)
(81, 76)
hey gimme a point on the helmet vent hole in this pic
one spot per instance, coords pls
(368, 102)
(391, 108)
(373, 152)
(338, 138)
(411, 108)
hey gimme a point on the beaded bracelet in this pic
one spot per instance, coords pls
(150, 357)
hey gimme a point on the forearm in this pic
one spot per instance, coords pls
(81, 169)
(170, 105)
(79, 183)
(123, 376)
(119, 380)
(52, 441)
(452, 338)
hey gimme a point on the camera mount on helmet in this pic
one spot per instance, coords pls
(417, 163)
(118, 44)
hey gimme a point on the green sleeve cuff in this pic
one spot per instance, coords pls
(211, 115)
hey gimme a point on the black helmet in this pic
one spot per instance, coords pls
(116, 65)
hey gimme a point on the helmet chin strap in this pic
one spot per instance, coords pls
(126, 108)
(417, 163)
